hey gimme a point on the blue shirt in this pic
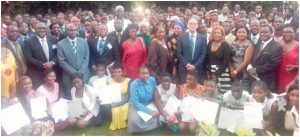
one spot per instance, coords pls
(141, 94)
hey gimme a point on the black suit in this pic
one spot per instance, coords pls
(114, 38)
(110, 52)
(266, 62)
(35, 57)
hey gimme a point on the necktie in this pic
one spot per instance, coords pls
(192, 45)
(254, 40)
(260, 48)
(45, 48)
(100, 46)
(20, 57)
(119, 37)
(74, 47)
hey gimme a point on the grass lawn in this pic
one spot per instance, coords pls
(104, 130)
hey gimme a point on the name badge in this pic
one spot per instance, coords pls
(54, 46)
(109, 45)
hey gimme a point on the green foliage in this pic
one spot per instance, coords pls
(207, 129)
(244, 132)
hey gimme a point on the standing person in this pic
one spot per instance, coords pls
(144, 32)
(40, 54)
(134, 52)
(289, 64)
(119, 110)
(242, 54)
(24, 33)
(118, 34)
(218, 58)
(12, 44)
(102, 49)
(55, 31)
(142, 94)
(266, 58)
(229, 38)
(158, 54)
(8, 74)
(172, 66)
(254, 30)
(73, 56)
(278, 29)
(191, 51)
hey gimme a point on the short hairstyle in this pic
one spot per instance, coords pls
(77, 75)
(51, 25)
(236, 83)
(143, 67)
(244, 27)
(217, 28)
(166, 74)
(100, 65)
(47, 72)
(292, 87)
(193, 74)
(19, 25)
(117, 65)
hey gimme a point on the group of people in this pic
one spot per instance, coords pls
(221, 56)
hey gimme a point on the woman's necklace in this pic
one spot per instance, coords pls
(215, 46)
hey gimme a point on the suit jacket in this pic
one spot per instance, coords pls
(114, 39)
(35, 57)
(184, 54)
(70, 62)
(266, 62)
(6, 44)
(110, 53)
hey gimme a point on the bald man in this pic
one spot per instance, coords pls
(73, 56)
(191, 51)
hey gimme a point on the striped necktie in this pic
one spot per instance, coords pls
(74, 46)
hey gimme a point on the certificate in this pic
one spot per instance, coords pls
(253, 114)
(110, 93)
(146, 116)
(186, 107)
(205, 111)
(172, 105)
(60, 111)
(75, 108)
(38, 107)
(230, 119)
(13, 118)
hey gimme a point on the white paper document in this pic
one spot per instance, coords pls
(60, 111)
(146, 116)
(172, 105)
(230, 119)
(186, 107)
(13, 118)
(75, 108)
(99, 83)
(205, 111)
(253, 114)
(38, 107)
(110, 93)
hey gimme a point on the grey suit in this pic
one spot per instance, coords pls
(71, 62)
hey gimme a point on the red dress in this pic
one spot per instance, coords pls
(285, 77)
(133, 57)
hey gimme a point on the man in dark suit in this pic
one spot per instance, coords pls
(11, 43)
(191, 51)
(117, 36)
(266, 57)
(40, 54)
(104, 49)
(73, 56)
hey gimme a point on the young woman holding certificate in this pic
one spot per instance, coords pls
(119, 110)
(25, 94)
(87, 96)
(141, 102)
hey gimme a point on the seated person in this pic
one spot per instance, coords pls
(236, 97)
(25, 92)
(57, 109)
(119, 110)
(161, 96)
(211, 91)
(100, 76)
(97, 82)
(261, 94)
(88, 97)
(292, 116)
(193, 89)
(142, 94)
